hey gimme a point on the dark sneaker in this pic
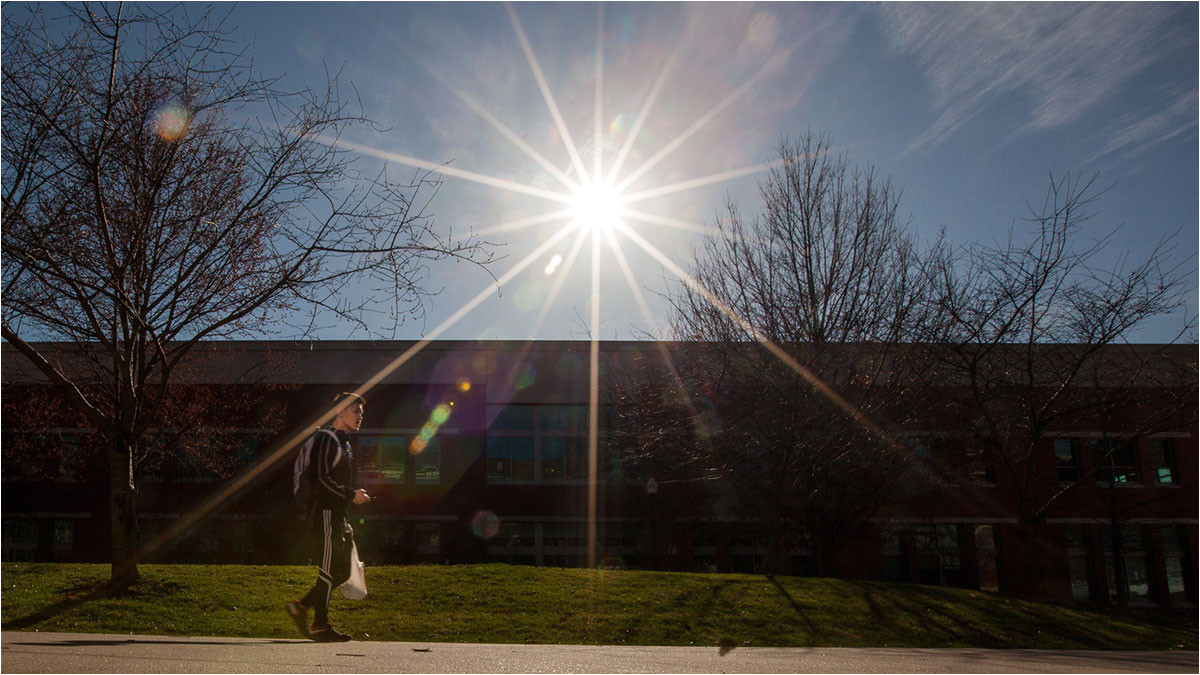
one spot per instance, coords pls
(299, 615)
(327, 634)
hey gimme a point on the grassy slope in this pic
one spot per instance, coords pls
(503, 604)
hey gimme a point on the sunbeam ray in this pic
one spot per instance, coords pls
(235, 485)
(644, 113)
(524, 222)
(696, 126)
(698, 423)
(664, 220)
(598, 150)
(699, 182)
(500, 126)
(449, 170)
(518, 362)
(777, 351)
(561, 278)
(594, 404)
(541, 81)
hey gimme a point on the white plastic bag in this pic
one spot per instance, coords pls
(355, 587)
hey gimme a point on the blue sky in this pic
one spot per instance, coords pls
(968, 107)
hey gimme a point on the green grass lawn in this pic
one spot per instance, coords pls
(506, 604)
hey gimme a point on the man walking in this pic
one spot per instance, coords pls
(332, 475)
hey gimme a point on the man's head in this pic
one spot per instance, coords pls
(348, 409)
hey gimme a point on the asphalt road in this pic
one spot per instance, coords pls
(95, 653)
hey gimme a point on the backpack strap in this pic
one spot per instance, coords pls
(337, 443)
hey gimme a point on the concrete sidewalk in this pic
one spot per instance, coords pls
(96, 653)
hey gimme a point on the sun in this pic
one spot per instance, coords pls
(596, 206)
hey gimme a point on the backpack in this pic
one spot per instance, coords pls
(302, 489)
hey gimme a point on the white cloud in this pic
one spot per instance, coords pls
(1063, 58)
(1138, 132)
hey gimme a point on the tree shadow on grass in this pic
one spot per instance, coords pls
(917, 607)
(797, 607)
(82, 594)
(985, 622)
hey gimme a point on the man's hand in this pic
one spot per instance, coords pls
(361, 496)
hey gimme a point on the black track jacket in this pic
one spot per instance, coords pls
(333, 484)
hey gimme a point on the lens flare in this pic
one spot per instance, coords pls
(485, 525)
(484, 363)
(553, 265)
(526, 377)
(464, 385)
(440, 415)
(171, 121)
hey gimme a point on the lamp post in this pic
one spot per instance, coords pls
(651, 517)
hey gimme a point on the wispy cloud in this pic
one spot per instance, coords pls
(1064, 59)
(1138, 132)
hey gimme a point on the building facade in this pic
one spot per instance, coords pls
(479, 451)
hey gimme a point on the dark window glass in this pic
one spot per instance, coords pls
(577, 534)
(1162, 461)
(1064, 457)
(1170, 538)
(381, 456)
(510, 457)
(511, 417)
(1076, 536)
(513, 535)
(427, 464)
(554, 535)
(564, 418)
(577, 457)
(553, 453)
(429, 537)
(1114, 461)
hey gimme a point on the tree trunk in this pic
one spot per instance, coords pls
(1028, 579)
(123, 502)
(1120, 573)
(827, 554)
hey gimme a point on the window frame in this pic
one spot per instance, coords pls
(549, 425)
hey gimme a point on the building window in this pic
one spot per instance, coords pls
(510, 458)
(953, 459)
(975, 464)
(938, 559)
(985, 554)
(547, 443)
(1162, 461)
(429, 541)
(1173, 556)
(20, 539)
(1133, 549)
(427, 464)
(1077, 562)
(1064, 458)
(391, 457)
(895, 560)
(43, 455)
(1114, 461)
(382, 456)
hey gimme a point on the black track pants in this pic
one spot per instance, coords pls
(333, 539)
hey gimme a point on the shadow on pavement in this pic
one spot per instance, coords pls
(126, 641)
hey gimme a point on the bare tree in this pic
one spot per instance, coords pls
(827, 282)
(158, 192)
(1031, 340)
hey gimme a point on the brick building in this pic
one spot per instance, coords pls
(502, 476)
